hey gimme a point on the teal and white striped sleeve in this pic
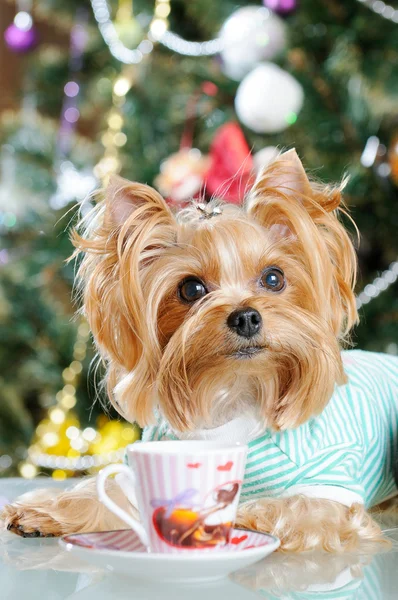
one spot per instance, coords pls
(157, 433)
(333, 474)
(335, 484)
(151, 433)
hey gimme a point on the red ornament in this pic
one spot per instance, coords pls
(231, 168)
(227, 172)
(209, 88)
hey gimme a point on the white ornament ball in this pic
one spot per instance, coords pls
(269, 99)
(264, 157)
(250, 35)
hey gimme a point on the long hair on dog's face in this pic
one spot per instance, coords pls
(198, 315)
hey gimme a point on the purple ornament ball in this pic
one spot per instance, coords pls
(19, 40)
(283, 7)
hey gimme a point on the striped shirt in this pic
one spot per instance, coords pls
(347, 453)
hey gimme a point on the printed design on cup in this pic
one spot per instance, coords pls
(227, 467)
(170, 505)
(238, 540)
(183, 523)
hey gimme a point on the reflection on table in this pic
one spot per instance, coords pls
(41, 570)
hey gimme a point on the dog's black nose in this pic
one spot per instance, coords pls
(246, 322)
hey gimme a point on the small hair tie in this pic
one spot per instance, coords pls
(208, 213)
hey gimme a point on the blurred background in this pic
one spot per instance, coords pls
(184, 95)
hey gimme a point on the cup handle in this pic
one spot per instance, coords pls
(113, 507)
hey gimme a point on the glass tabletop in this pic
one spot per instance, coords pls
(40, 569)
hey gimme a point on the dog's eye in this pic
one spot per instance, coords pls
(191, 289)
(273, 279)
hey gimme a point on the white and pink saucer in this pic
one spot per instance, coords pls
(123, 552)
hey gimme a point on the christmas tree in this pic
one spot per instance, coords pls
(98, 87)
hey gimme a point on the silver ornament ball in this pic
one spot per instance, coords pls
(269, 99)
(250, 35)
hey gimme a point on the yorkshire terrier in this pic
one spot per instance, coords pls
(227, 322)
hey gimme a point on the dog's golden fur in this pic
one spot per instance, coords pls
(162, 353)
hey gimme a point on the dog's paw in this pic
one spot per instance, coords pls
(28, 522)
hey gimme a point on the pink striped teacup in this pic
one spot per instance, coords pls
(187, 492)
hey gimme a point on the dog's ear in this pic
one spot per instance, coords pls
(285, 178)
(283, 199)
(139, 220)
(285, 175)
(132, 228)
(123, 198)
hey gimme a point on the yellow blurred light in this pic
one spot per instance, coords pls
(162, 10)
(72, 432)
(76, 367)
(50, 439)
(83, 330)
(68, 375)
(27, 470)
(57, 416)
(68, 401)
(115, 121)
(89, 434)
(72, 453)
(158, 27)
(59, 475)
(107, 166)
(79, 444)
(121, 86)
(107, 139)
(69, 389)
(120, 139)
(129, 434)
(41, 429)
(79, 347)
